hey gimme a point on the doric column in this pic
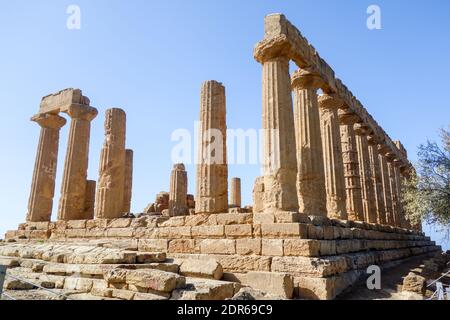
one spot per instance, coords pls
(333, 161)
(178, 191)
(368, 192)
(128, 189)
(386, 185)
(311, 174)
(393, 189)
(111, 181)
(212, 168)
(351, 167)
(398, 183)
(73, 189)
(235, 193)
(377, 179)
(40, 203)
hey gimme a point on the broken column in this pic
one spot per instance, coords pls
(377, 179)
(178, 191)
(40, 203)
(72, 201)
(368, 192)
(128, 181)
(212, 168)
(351, 167)
(235, 193)
(111, 181)
(311, 174)
(332, 152)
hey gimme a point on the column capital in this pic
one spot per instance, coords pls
(374, 140)
(330, 101)
(276, 48)
(347, 118)
(47, 120)
(361, 129)
(82, 112)
(305, 79)
(179, 167)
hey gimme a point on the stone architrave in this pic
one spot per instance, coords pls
(73, 189)
(312, 194)
(111, 181)
(333, 160)
(212, 168)
(128, 181)
(368, 191)
(178, 191)
(235, 193)
(40, 203)
(351, 167)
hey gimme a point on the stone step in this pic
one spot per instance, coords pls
(205, 289)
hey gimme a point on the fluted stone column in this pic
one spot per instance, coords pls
(235, 193)
(368, 192)
(311, 173)
(398, 183)
(394, 194)
(40, 203)
(279, 158)
(128, 189)
(89, 202)
(111, 181)
(333, 161)
(73, 189)
(351, 168)
(212, 169)
(386, 186)
(377, 179)
(178, 191)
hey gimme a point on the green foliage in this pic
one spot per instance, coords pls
(426, 195)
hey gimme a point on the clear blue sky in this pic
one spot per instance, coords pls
(150, 57)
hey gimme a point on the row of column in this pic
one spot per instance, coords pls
(79, 195)
(320, 160)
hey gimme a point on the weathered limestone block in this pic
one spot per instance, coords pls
(239, 231)
(279, 284)
(315, 267)
(40, 203)
(333, 160)
(205, 232)
(182, 246)
(311, 173)
(111, 182)
(153, 245)
(248, 246)
(212, 168)
(178, 191)
(220, 246)
(73, 189)
(235, 193)
(209, 269)
(128, 181)
(234, 218)
(204, 289)
(272, 247)
(301, 247)
(284, 230)
(154, 279)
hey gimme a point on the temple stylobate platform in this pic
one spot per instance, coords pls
(327, 207)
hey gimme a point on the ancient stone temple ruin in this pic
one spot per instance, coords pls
(327, 207)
